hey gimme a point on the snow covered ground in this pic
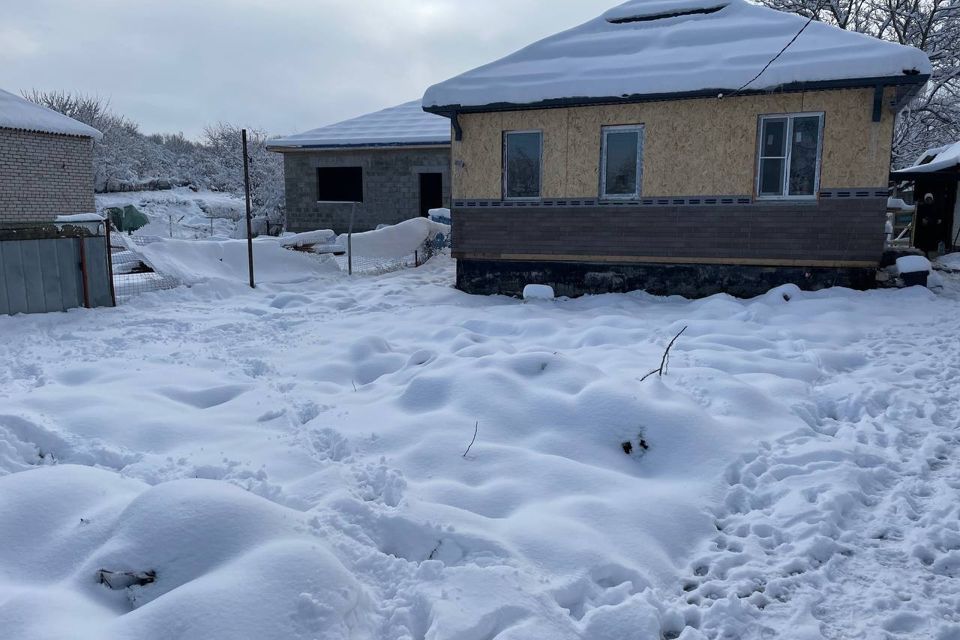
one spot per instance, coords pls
(180, 213)
(291, 463)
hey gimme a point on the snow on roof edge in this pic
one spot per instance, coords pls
(670, 56)
(944, 157)
(19, 114)
(403, 125)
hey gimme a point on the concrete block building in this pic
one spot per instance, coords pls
(385, 167)
(46, 163)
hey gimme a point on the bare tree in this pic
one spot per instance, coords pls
(224, 168)
(933, 118)
(126, 159)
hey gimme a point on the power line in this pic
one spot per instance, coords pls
(785, 47)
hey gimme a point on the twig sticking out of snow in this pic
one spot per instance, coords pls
(665, 362)
(476, 430)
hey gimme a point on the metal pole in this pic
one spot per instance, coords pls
(353, 209)
(83, 271)
(246, 181)
(113, 291)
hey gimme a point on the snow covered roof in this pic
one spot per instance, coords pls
(937, 159)
(660, 47)
(18, 113)
(404, 125)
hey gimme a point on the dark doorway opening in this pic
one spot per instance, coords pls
(936, 198)
(431, 192)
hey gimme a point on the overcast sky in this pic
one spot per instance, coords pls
(281, 65)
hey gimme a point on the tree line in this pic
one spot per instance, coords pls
(128, 160)
(933, 26)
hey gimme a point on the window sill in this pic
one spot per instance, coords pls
(786, 199)
(630, 198)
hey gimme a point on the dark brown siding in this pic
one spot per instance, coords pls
(828, 231)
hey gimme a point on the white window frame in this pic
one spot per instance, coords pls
(787, 158)
(504, 177)
(605, 131)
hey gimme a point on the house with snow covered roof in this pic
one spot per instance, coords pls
(677, 146)
(46, 163)
(935, 177)
(383, 167)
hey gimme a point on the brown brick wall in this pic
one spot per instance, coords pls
(44, 175)
(828, 231)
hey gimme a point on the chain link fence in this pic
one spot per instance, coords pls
(131, 276)
(368, 266)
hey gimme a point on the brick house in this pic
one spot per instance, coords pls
(395, 164)
(677, 146)
(46, 163)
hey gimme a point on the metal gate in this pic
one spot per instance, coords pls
(48, 267)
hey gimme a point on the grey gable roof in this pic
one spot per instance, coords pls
(404, 125)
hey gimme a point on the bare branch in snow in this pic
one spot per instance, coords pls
(664, 363)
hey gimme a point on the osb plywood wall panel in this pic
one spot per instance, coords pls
(692, 147)
(856, 150)
(478, 158)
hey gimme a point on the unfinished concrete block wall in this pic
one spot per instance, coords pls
(391, 186)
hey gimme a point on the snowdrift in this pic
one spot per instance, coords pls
(292, 463)
(395, 241)
(228, 564)
(194, 261)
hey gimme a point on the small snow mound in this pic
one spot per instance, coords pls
(950, 262)
(781, 294)
(320, 236)
(538, 292)
(913, 264)
(441, 215)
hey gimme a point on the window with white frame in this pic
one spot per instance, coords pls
(789, 155)
(621, 160)
(522, 162)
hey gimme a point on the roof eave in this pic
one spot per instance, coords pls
(911, 82)
(289, 148)
(95, 135)
(916, 172)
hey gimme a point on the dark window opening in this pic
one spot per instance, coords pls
(523, 151)
(431, 192)
(669, 14)
(340, 184)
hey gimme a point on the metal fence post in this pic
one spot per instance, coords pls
(353, 209)
(113, 292)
